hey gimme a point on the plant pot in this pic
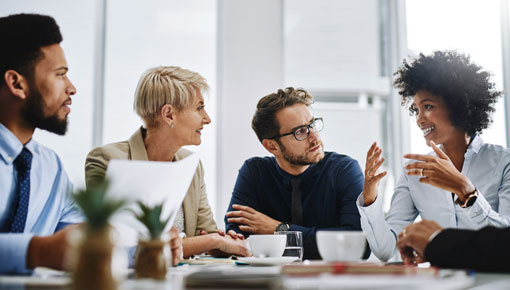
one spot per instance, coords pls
(152, 259)
(94, 267)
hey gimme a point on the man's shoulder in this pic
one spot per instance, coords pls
(46, 154)
(334, 158)
(258, 161)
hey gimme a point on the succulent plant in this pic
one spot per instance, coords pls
(151, 218)
(96, 207)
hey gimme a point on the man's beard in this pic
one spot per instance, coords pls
(33, 113)
(297, 159)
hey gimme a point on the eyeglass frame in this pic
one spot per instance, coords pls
(309, 127)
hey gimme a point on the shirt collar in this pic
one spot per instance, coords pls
(10, 146)
(475, 145)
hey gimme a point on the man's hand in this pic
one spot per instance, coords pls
(226, 246)
(251, 221)
(440, 172)
(175, 246)
(49, 251)
(413, 240)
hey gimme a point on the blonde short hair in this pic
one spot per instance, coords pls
(166, 85)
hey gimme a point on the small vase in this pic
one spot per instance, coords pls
(152, 259)
(94, 267)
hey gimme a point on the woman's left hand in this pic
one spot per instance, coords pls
(439, 171)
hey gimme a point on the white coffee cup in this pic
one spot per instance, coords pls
(341, 245)
(262, 246)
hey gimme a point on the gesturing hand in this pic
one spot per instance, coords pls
(439, 171)
(374, 161)
(251, 221)
(413, 240)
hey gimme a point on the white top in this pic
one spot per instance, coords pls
(488, 168)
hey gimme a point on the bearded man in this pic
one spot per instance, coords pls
(35, 192)
(302, 188)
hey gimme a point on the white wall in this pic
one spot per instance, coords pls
(76, 20)
(249, 67)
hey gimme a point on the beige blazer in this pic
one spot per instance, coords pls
(197, 212)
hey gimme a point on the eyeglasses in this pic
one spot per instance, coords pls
(303, 132)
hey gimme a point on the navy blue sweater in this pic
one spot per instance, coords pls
(329, 191)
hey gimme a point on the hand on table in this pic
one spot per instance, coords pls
(227, 245)
(50, 251)
(413, 240)
(439, 171)
(175, 246)
(221, 232)
(251, 221)
(372, 179)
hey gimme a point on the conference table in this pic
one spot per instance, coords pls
(232, 276)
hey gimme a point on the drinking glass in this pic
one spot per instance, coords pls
(294, 246)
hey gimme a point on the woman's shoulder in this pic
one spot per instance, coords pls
(183, 153)
(118, 150)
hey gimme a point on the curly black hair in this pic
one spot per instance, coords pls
(469, 94)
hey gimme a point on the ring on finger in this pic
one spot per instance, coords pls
(421, 173)
(403, 232)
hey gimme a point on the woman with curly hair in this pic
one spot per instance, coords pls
(464, 182)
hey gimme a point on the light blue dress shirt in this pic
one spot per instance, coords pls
(488, 168)
(50, 206)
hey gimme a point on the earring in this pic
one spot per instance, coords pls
(172, 125)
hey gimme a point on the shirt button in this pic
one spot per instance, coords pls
(9, 158)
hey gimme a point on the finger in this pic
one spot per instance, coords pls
(420, 259)
(244, 208)
(419, 165)
(374, 165)
(176, 257)
(428, 180)
(372, 169)
(419, 172)
(438, 151)
(419, 157)
(238, 213)
(232, 234)
(175, 242)
(371, 150)
(371, 159)
(202, 232)
(247, 229)
(378, 177)
(375, 154)
(241, 220)
(240, 236)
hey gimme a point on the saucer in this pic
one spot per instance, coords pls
(268, 261)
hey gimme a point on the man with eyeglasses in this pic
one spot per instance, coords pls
(302, 188)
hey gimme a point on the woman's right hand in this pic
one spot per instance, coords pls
(374, 162)
(226, 246)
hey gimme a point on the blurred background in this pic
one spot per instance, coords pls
(343, 52)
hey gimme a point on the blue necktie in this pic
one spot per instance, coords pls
(22, 163)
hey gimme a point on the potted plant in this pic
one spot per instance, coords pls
(152, 257)
(94, 266)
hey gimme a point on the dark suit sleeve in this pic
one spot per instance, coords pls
(243, 194)
(486, 250)
(350, 184)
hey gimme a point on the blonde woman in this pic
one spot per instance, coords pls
(170, 102)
